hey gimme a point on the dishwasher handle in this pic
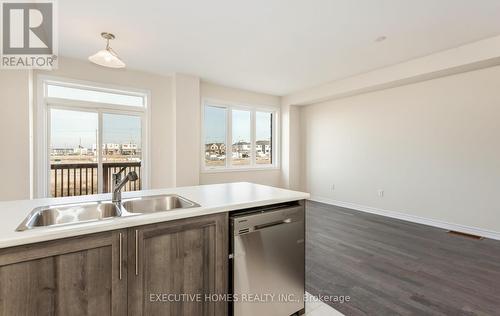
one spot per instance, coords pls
(247, 223)
(276, 223)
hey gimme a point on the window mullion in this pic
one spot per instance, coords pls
(46, 153)
(253, 127)
(229, 137)
(272, 141)
(100, 175)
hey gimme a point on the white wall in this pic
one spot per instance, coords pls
(222, 93)
(186, 100)
(290, 147)
(432, 146)
(162, 145)
(14, 135)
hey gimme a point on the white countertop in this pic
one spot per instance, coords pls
(214, 198)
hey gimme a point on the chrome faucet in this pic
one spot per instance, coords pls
(118, 183)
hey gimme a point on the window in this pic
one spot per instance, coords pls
(241, 145)
(247, 132)
(264, 137)
(73, 162)
(90, 132)
(121, 147)
(215, 136)
(89, 95)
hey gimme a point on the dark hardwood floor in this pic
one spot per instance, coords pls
(393, 267)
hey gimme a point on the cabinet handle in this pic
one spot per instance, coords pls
(120, 269)
(136, 252)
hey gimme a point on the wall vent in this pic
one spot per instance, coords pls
(470, 236)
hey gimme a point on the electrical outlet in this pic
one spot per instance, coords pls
(381, 193)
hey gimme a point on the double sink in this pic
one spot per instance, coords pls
(58, 215)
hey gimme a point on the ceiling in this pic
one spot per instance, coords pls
(272, 46)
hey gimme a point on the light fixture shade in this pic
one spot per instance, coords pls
(107, 58)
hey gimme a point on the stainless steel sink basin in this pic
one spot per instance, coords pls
(159, 203)
(95, 211)
(69, 214)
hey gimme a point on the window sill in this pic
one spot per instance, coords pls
(224, 170)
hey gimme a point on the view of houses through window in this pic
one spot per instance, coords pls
(241, 146)
(74, 158)
(73, 135)
(215, 136)
(263, 141)
(251, 137)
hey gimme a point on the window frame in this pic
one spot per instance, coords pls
(229, 106)
(41, 129)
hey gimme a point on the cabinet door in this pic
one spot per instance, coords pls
(186, 257)
(74, 276)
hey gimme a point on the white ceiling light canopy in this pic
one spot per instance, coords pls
(107, 57)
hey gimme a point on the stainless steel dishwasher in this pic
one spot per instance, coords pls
(268, 269)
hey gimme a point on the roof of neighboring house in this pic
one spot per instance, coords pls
(242, 143)
(263, 142)
(210, 144)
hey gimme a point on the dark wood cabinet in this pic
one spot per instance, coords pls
(74, 276)
(187, 258)
(121, 272)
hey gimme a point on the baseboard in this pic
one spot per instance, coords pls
(411, 218)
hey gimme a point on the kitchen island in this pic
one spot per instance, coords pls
(126, 265)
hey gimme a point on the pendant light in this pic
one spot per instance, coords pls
(107, 57)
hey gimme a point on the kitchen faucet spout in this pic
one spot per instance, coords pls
(118, 183)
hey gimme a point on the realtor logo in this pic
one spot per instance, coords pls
(28, 35)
